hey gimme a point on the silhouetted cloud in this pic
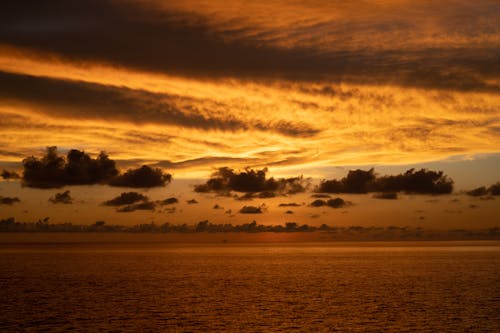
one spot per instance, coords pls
(291, 204)
(78, 168)
(252, 181)
(483, 191)
(9, 174)
(143, 176)
(386, 195)
(289, 212)
(251, 210)
(146, 205)
(62, 197)
(8, 200)
(494, 189)
(333, 203)
(192, 202)
(126, 198)
(360, 181)
(169, 201)
(477, 192)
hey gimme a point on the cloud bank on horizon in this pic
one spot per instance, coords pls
(197, 84)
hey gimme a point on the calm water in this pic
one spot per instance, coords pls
(250, 287)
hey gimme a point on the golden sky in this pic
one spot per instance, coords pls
(301, 87)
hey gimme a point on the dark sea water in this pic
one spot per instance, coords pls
(392, 287)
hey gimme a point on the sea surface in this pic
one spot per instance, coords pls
(258, 287)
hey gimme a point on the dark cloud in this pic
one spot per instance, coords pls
(477, 192)
(289, 212)
(192, 202)
(62, 198)
(146, 205)
(143, 176)
(386, 195)
(483, 191)
(78, 168)
(360, 181)
(126, 198)
(494, 189)
(132, 34)
(252, 181)
(8, 200)
(6, 174)
(290, 204)
(83, 100)
(169, 201)
(333, 203)
(251, 210)
(137, 35)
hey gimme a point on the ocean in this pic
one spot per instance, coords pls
(250, 287)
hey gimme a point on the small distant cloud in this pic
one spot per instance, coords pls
(216, 206)
(289, 212)
(251, 210)
(333, 203)
(10, 174)
(291, 204)
(126, 198)
(62, 198)
(192, 202)
(169, 201)
(9, 200)
(147, 205)
(386, 195)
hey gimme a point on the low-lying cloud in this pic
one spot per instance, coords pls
(360, 181)
(252, 182)
(78, 168)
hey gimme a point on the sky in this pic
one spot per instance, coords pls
(311, 88)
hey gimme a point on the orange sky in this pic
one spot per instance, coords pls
(299, 87)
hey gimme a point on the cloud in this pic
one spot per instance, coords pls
(169, 201)
(360, 181)
(143, 176)
(192, 202)
(290, 204)
(251, 181)
(359, 42)
(251, 210)
(494, 189)
(126, 198)
(333, 203)
(86, 100)
(78, 168)
(386, 195)
(146, 205)
(62, 198)
(9, 200)
(10, 174)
